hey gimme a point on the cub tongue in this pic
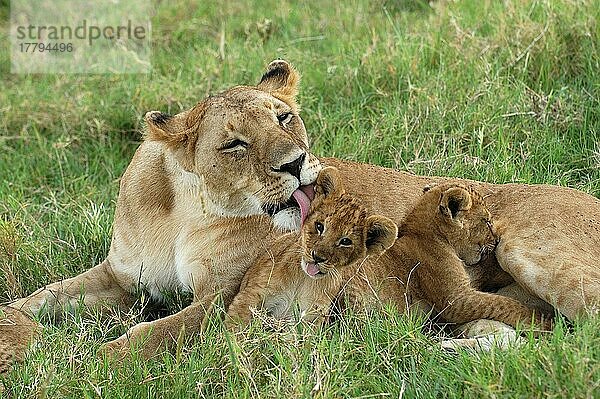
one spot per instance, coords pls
(311, 269)
(303, 202)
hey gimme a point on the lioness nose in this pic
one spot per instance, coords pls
(294, 167)
(317, 258)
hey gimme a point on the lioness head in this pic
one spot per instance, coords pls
(459, 214)
(246, 148)
(338, 231)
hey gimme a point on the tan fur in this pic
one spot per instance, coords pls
(189, 212)
(277, 283)
(550, 236)
(449, 228)
(17, 331)
(191, 208)
(279, 280)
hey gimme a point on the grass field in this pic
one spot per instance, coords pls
(490, 90)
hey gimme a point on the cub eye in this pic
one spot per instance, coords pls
(345, 242)
(284, 118)
(319, 227)
(233, 145)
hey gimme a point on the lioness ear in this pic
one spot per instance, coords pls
(455, 200)
(179, 132)
(381, 234)
(281, 79)
(166, 128)
(329, 182)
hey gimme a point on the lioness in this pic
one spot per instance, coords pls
(198, 199)
(303, 272)
(196, 204)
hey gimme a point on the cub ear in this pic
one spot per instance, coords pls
(280, 79)
(454, 201)
(381, 234)
(429, 186)
(329, 182)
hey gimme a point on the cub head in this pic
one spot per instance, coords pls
(338, 231)
(462, 218)
(246, 150)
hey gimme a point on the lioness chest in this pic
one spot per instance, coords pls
(181, 246)
(219, 251)
(195, 256)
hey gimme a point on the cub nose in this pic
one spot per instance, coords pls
(294, 167)
(317, 258)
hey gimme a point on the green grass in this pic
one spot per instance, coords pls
(489, 90)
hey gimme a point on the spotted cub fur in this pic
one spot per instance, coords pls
(17, 331)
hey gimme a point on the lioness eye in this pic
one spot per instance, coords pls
(234, 145)
(345, 242)
(319, 227)
(284, 118)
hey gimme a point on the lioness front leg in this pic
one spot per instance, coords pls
(94, 286)
(152, 337)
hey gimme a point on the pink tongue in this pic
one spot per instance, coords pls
(309, 190)
(303, 200)
(311, 269)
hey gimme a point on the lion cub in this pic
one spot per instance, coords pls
(304, 271)
(449, 228)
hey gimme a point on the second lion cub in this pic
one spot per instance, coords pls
(449, 228)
